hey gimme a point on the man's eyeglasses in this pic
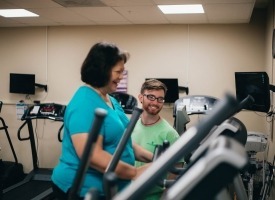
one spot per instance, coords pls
(153, 98)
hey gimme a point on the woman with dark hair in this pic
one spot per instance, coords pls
(101, 72)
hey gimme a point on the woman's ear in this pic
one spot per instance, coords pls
(140, 98)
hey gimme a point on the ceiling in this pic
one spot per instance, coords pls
(120, 12)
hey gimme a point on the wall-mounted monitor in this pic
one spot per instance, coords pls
(255, 84)
(22, 83)
(172, 89)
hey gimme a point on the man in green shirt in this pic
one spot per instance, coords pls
(151, 129)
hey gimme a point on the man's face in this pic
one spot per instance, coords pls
(152, 101)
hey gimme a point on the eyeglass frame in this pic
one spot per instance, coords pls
(154, 98)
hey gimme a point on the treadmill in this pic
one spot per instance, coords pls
(191, 105)
(37, 184)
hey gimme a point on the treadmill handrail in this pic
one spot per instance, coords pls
(59, 133)
(19, 132)
(5, 128)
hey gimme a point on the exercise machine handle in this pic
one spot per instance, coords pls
(107, 182)
(246, 102)
(59, 133)
(100, 114)
(122, 143)
(157, 151)
(19, 132)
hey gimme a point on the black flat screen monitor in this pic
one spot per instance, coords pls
(22, 83)
(255, 84)
(172, 85)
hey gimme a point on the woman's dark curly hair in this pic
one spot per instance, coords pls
(97, 66)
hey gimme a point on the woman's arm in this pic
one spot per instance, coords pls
(142, 154)
(100, 158)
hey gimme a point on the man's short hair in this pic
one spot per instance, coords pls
(153, 84)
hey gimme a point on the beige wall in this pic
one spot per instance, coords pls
(202, 57)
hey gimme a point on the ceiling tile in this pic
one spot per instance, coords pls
(138, 14)
(35, 21)
(220, 12)
(100, 14)
(177, 2)
(6, 5)
(60, 15)
(117, 3)
(227, 1)
(185, 19)
(7, 22)
(34, 3)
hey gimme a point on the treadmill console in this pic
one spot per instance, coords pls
(45, 111)
(256, 141)
(196, 104)
(127, 101)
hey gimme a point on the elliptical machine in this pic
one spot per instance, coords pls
(10, 172)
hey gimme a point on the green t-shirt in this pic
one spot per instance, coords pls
(150, 136)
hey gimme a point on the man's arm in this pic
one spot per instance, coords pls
(142, 154)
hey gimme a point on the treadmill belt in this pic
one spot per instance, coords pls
(28, 190)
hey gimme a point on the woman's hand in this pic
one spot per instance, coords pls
(100, 158)
(141, 169)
